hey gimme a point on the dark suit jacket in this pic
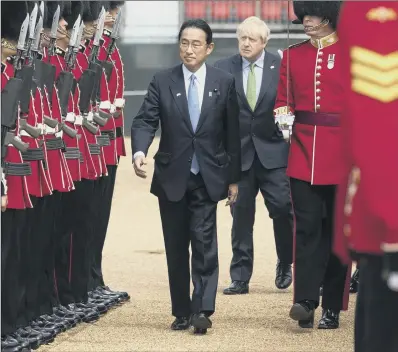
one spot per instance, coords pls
(216, 140)
(258, 132)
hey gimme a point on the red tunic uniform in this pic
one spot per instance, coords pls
(71, 143)
(93, 161)
(370, 63)
(118, 100)
(310, 87)
(18, 193)
(39, 182)
(58, 168)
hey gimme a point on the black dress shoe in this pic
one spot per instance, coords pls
(50, 328)
(101, 305)
(124, 295)
(109, 302)
(237, 288)
(71, 312)
(100, 308)
(303, 312)
(23, 343)
(354, 282)
(58, 322)
(87, 315)
(34, 338)
(72, 319)
(109, 295)
(46, 337)
(10, 344)
(283, 275)
(200, 322)
(329, 320)
(181, 323)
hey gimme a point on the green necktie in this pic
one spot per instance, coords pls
(251, 88)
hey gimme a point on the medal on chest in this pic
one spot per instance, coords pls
(331, 60)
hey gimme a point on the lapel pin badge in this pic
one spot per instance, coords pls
(178, 94)
(272, 67)
(210, 94)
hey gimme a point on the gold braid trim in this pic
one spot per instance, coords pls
(7, 45)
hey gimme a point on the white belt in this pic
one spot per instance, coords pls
(59, 134)
(70, 117)
(112, 109)
(105, 105)
(78, 120)
(24, 133)
(119, 102)
(90, 116)
(46, 129)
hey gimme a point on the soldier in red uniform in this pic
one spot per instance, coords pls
(113, 129)
(310, 92)
(367, 206)
(15, 189)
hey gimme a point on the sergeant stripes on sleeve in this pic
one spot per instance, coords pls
(374, 75)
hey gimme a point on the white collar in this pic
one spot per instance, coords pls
(259, 62)
(199, 74)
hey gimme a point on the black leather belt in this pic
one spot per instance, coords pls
(55, 143)
(33, 154)
(17, 169)
(119, 132)
(110, 133)
(94, 149)
(72, 153)
(103, 141)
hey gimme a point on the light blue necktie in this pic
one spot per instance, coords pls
(194, 113)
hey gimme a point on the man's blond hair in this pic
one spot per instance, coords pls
(254, 27)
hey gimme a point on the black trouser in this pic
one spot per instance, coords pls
(106, 186)
(376, 327)
(274, 187)
(315, 264)
(39, 226)
(12, 264)
(72, 255)
(191, 220)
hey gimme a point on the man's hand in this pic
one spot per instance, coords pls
(139, 162)
(4, 202)
(232, 194)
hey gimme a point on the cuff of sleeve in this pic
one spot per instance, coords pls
(138, 154)
(283, 110)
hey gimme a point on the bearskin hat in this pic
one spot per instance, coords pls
(76, 9)
(91, 10)
(49, 11)
(324, 9)
(115, 4)
(13, 13)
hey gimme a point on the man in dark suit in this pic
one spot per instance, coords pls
(197, 163)
(264, 156)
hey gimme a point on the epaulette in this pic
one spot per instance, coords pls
(298, 44)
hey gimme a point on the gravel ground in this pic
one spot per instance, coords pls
(134, 260)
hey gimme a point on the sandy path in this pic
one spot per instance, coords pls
(134, 261)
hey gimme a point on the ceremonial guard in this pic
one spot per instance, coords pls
(367, 207)
(109, 55)
(14, 172)
(310, 93)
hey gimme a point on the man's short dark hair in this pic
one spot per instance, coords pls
(200, 24)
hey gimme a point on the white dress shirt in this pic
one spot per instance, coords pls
(258, 72)
(200, 83)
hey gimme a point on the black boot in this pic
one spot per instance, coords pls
(354, 282)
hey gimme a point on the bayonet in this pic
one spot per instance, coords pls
(32, 22)
(41, 7)
(69, 58)
(53, 33)
(100, 27)
(39, 27)
(21, 44)
(114, 34)
(116, 25)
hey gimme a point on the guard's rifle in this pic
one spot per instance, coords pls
(99, 116)
(25, 71)
(65, 81)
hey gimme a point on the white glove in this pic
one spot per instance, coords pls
(392, 281)
(285, 123)
(280, 52)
